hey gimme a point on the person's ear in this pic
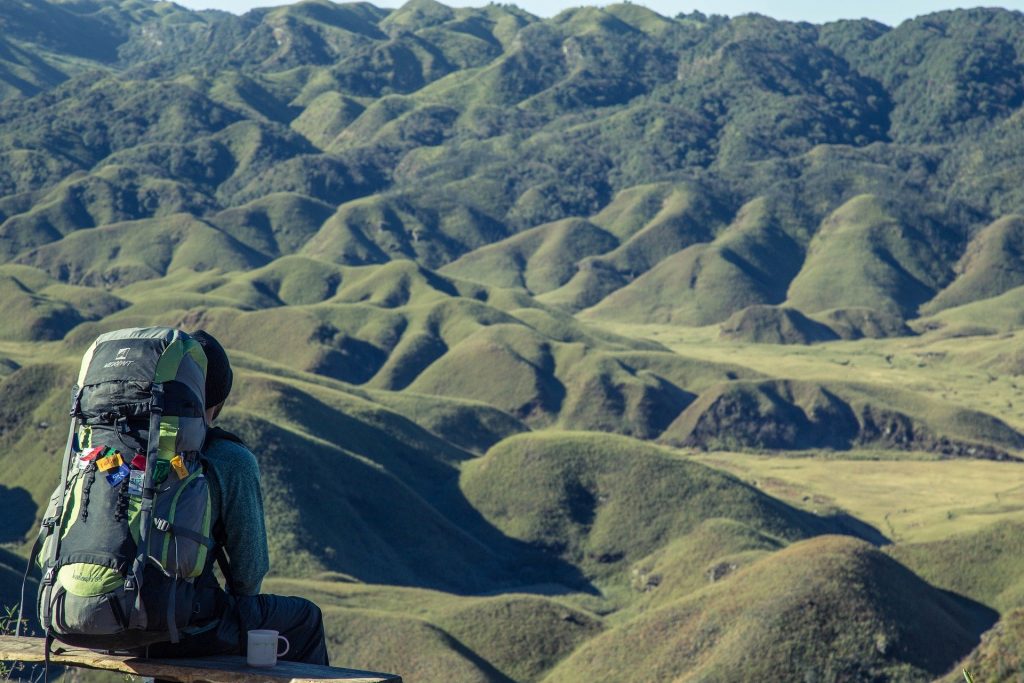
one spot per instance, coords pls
(213, 412)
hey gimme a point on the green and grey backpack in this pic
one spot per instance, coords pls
(127, 531)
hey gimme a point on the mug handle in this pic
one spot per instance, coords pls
(287, 645)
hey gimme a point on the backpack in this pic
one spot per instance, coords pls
(127, 531)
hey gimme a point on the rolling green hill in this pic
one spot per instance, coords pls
(609, 346)
(864, 257)
(803, 594)
(603, 502)
(988, 268)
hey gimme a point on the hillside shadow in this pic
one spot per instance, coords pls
(394, 513)
(973, 617)
(18, 512)
(851, 526)
(979, 617)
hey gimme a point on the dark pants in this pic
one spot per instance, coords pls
(296, 619)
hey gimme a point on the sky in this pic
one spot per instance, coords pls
(890, 12)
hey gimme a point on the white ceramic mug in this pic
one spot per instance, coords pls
(263, 648)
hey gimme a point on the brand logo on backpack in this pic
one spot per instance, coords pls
(121, 359)
(87, 578)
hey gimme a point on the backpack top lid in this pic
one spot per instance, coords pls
(120, 368)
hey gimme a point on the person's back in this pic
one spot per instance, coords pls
(223, 618)
(237, 504)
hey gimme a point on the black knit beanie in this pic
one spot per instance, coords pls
(218, 368)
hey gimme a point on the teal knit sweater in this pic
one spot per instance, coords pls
(237, 502)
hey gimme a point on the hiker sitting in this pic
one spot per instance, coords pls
(222, 619)
(149, 498)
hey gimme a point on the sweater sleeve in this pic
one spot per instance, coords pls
(238, 503)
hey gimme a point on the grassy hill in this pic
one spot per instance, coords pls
(775, 325)
(874, 617)
(951, 564)
(604, 502)
(865, 257)
(565, 529)
(749, 263)
(402, 327)
(988, 268)
(515, 636)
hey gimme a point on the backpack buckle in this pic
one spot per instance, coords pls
(162, 524)
(49, 576)
(129, 584)
(156, 398)
(50, 522)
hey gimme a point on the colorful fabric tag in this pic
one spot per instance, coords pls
(160, 472)
(135, 481)
(93, 453)
(179, 466)
(118, 475)
(110, 462)
(139, 462)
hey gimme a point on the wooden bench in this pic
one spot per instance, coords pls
(223, 669)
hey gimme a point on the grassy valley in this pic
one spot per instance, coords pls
(610, 346)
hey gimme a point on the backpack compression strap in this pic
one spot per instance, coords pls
(50, 575)
(45, 529)
(133, 583)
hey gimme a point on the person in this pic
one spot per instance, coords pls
(221, 619)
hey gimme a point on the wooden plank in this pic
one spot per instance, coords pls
(222, 669)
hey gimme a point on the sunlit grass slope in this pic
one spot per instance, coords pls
(865, 256)
(989, 267)
(603, 502)
(915, 501)
(868, 616)
(952, 562)
(40, 308)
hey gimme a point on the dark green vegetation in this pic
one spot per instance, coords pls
(439, 242)
(638, 167)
